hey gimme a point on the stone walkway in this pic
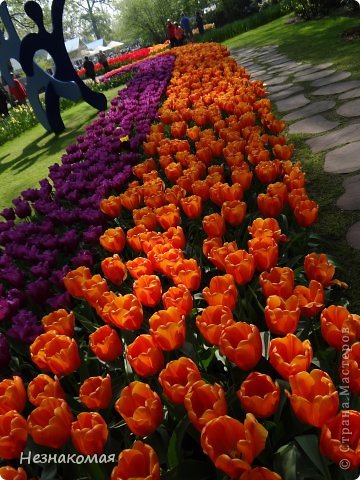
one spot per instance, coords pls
(333, 94)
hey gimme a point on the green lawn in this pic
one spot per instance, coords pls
(25, 160)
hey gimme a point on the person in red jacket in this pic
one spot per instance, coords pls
(170, 33)
(17, 91)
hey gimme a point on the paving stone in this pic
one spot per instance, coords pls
(283, 66)
(353, 236)
(348, 134)
(286, 92)
(337, 77)
(345, 159)
(276, 80)
(259, 74)
(312, 125)
(350, 109)
(350, 200)
(279, 88)
(350, 94)
(311, 69)
(314, 107)
(335, 88)
(290, 103)
(313, 76)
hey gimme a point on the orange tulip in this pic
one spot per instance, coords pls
(57, 353)
(95, 392)
(133, 237)
(204, 402)
(145, 216)
(267, 171)
(259, 395)
(267, 227)
(9, 473)
(131, 199)
(212, 322)
(61, 321)
(260, 473)
(153, 187)
(144, 167)
(192, 206)
(339, 327)
(144, 356)
(164, 257)
(295, 196)
(294, 179)
(241, 266)
(350, 366)
(105, 343)
(50, 423)
(141, 408)
(12, 395)
(339, 439)
(311, 299)
(173, 171)
(179, 297)
(125, 312)
(234, 212)
(13, 435)
(74, 280)
(113, 239)
(314, 397)
(306, 212)
(150, 239)
(188, 273)
(269, 205)
(140, 462)
(202, 189)
(241, 174)
(289, 355)
(210, 243)
(284, 152)
(148, 290)
(193, 133)
(89, 433)
(216, 254)
(280, 189)
(317, 267)
(213, 225)
(111, 206)
(221, 291)
(167, 327)
(93, 288)
(178, 129)
(282, 316)
(241, 344)
(265, 251)
(168, 216)
(139, 266)
(155, 201)
(231, 445)
(43, 386)
(279, 281)
(177, 377)
(114, 269)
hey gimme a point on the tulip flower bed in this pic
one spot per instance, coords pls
(206, 337)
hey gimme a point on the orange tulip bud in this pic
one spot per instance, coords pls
(267, 227)
(202, 189)
(295, 196)
(242, 175)
(241, 344)
(176, 237)
(241, 265)
(267, 171)
(105, 343)
(13, 434)
(259, 395)
(280, 189)
(133, 237)
(125, 312)
(269, 205)
(311, 299)
(306, 212)
(50, 423)
(168, 216)
(144, 356)
(140, 462)
(210, 243)
(43, 386)
(212, 322)
(217, 255)
(173, 171)
(282, 316)
(167, 327)
(179, 297)
(222, 291)
(141, 408)
(177, 377)
(314, 397)
(234, 212)
(192, 206)
(213, 225)
(61, 321)
(279, 281)
(131, 199)
(289, 355)
(89, 433)
(57, 353)
(113, 239)
(144, 167)
(260, 473)
(111, 206)
(139, 266)
(12, 395)
(9, 473)
(339, 327)
(145, 216)
(148, 290)
(93, 288)
(74, 280)
(95, 392)
(265, 251)
(114, 269)
(188, 273)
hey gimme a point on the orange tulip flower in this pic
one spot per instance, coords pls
(267, 227)
(177, 377)
(131, 199)
(150, 239)
(259, 395)
(89, 433)
(173, 171)
(212, 322)
(74, 280)
(284, 152)
(111, 206)
(341, 448)
(105, 343)
(141, 408)
(269, 205)
(175, 236)
(241, 174)
(265, 251)
(13, 434)
(9, 473)
(133, 236)
(241, 344)
(192, 206)
(221, 291)
(280, 189)
(50, 423)
(311, 299)
(193, 133)
(231, 445)
(204, 402)
(214, 225)
(144, 167)
(279, 281)
(144, 356)
(96, 393)
(188, 273)
(349, 368)
(93, 288)
(167, 327)
(57, 353)
(114, 269)
(168, 216)
(140, 462)
(289, 355)
(164, 257)
(113, 240)
(306, 212)
(317, 267)
(267, 171)
(216, 254)
(179, 297)
(202, 189)
(294, 179)
(145, 216)
(139, 266)
(339, 326)
(282, 316)
(314, 397)
(234, 212)
(260, 473)
(148, 290)
(297, 195)
(241, 265)
(153, 187)
(210, 243)
(125, 312)
(43, 386)
(12, 395)
(61, 321)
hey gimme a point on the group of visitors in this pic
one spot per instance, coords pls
(179, 33)
(90, 67)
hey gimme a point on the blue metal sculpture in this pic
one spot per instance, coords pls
(64, 83)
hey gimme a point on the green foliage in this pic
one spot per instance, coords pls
(309, 9)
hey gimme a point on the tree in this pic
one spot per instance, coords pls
(93, 15)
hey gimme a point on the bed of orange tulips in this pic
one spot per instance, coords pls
(211, 339)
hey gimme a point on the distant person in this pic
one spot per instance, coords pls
(4, 110)
(103, 60)
(179, 35)
(89, 69)
(186, 25)
(199, 22)
(17, 91)
(170, 32)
